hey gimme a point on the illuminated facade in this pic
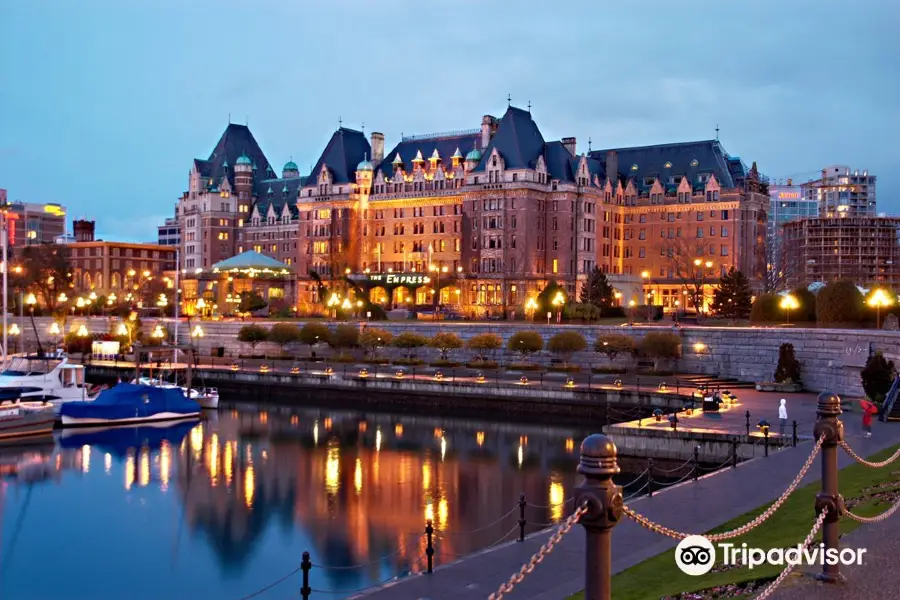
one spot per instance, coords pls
(482, 219)
(31, 224)
(842, 193)
(787, 203)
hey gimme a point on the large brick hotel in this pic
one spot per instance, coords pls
(488, 215)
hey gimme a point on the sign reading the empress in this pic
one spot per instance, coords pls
(400, 279)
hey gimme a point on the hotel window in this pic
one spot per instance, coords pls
(724, 250)
(724, 231)
(642, 219)
(699, 215)
(642, 252)
(555, 266)
(712, 230)
(699, 232)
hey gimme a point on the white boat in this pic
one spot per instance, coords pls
(22, 420)
(42, 380)
(207, 398)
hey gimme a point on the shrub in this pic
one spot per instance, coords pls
(614, 344)
(839, 302)
(445, 343)
(252, 334)
(284, 334)
(660, 345)
(74, 343)
(583, 312)
(312, 333)
(409, 342)
(766, 309)
(878, 376)
(788, 370)
(344, 336)
(567, 343)
(373, 338)
(807, 301)
(484, 344)
(525, 343)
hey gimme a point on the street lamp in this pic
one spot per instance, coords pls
(530, 307)
(878, 299)
(645, 276)
(558, 301)
(158, 333)
(333, 303)
(789, 303)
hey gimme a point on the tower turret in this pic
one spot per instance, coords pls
(243, 182)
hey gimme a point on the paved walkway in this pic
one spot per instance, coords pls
(690, 507)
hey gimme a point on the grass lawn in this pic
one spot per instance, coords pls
(658, 577)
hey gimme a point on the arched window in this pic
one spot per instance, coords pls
(98, 280)
(87, 281)
(114, 281)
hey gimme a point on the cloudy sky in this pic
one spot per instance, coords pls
(104, 103)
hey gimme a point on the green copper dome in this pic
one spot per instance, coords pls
(243, 159)
(365, 166)
(290, 166)
(475, 154)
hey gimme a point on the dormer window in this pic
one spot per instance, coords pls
(634, 167)
(695, 163)
(668, 165)
(494, 161)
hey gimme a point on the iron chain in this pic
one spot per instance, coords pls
(875, 519)
(787, 570)
(862, 461)
(727, 535)
(538, 557)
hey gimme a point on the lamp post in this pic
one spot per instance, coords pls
(31, 302)
(15, 331)
(55, 332)
(645, 276)
(201, 306)
(700, 301)
(436, 291)
(558, 301)
(197, 334)
(333, 303)
(878, 299)
(631, 305)
(789, 303)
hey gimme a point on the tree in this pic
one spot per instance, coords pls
(45, 271)
(807, 301)
(660, 345)
(251, 302)
(409, 342)
(545, 299)
(483, 344)
(766, 309)
(686, 260)
(252, 334)
(732, 299)
(567, 343)
(284, 334)
(312, 333)
(373, 338)
(344, 336)
(788, 369)
(614, 344)
(445, 343)
(878, 376)
(525, 343)
(597, 290)
(839, 302)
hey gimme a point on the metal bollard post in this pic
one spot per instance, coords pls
(305, 566)
(522, 504)
(794, 437)
(429, 548)
(650, 477)
(733, 454)
(598, 464)
(747, 416)
(696, 462)
(829, 425)
(766, 440)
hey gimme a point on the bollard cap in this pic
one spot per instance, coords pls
(828, 405)
(598, 456)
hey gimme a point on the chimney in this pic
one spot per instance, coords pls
(612, 167)
(790, 182)
(488, 127)
(569, 144)
(377, 147)
(83, 230)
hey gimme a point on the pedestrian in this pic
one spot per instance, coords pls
(782, 416)
(867, 421)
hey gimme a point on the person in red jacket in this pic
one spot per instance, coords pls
(867, 421)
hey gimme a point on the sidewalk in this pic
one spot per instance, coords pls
(875, 579)
(690, 507)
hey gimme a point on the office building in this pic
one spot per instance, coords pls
(169, 233)
(842, 192)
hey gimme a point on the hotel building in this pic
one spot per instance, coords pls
(31, 224)
(488, 216)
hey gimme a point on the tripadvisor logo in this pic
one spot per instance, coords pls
(695, 555)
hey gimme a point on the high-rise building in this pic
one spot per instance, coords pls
(786, 204)
(865, 250)
(482, 218)
(169, 233)
(842, 193)
(31, 223)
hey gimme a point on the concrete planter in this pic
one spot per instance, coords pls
(785, 388)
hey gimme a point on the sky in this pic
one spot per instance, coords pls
(104, 103)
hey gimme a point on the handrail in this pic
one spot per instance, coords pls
(890, 400)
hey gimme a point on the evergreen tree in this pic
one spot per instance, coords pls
(732, 298)
(597, 291)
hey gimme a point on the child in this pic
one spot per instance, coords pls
(867, 422)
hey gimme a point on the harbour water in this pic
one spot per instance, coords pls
(224, 507)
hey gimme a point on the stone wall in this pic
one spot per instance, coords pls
(831, 359)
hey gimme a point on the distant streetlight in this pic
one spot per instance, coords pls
(789, 303)
(558, 301)
(878, 299)
(530, 307)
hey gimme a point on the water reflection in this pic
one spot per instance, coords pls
(231, 504)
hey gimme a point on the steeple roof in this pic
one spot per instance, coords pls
(345, 150)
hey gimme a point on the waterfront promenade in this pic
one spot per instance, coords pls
(694, 507)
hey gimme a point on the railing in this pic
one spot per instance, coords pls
(441, 134)
(890, 400)
(601, 506)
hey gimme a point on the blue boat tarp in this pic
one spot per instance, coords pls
(119, 440)
(127, 401)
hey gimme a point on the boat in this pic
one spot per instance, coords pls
(129, 403)
(207, 398)
(44, 380)
(20, 421)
